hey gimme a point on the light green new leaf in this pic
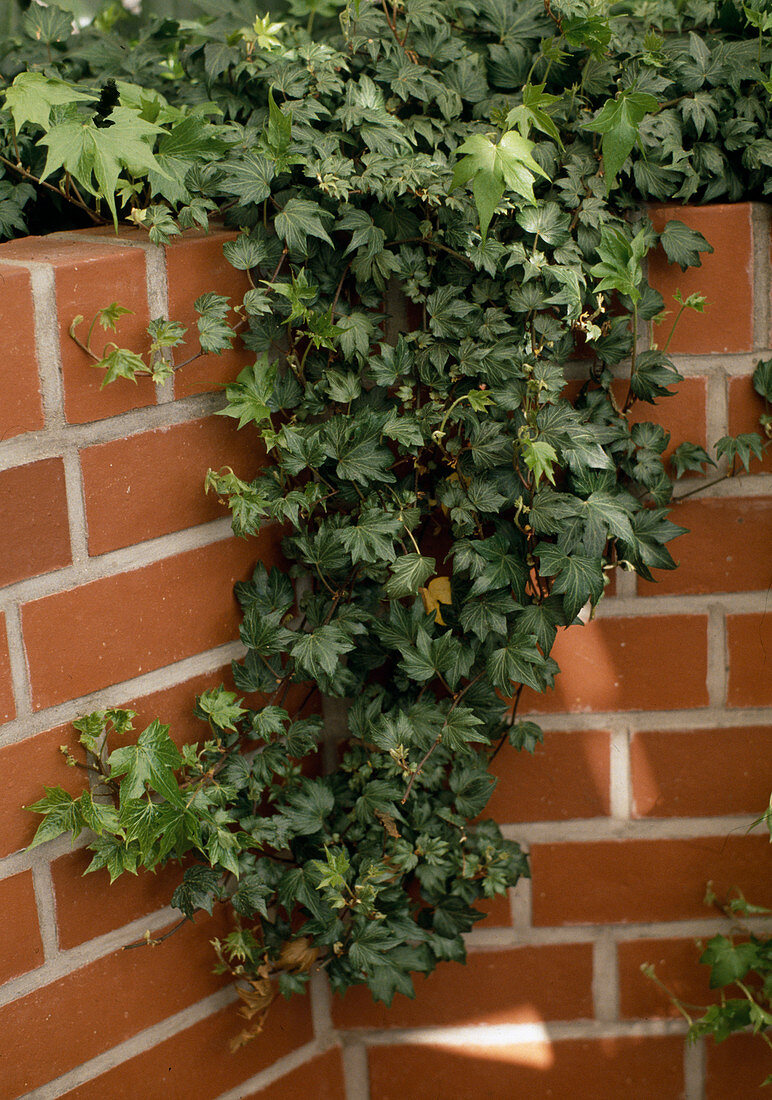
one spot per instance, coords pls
(94, 156)
(618, 122)
(32, 95)
(493, 169)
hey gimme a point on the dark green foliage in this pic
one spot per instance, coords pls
(437, 210)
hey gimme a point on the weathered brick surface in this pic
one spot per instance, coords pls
(616, 881)
(701, 773)
(198, 1062)
(21, 948)
(194, 267)
(725, 278)
(603, 666)
(321, 1078)
(630, 1068)
(21, 409)
(88, 276)
(514, 986)
(34, 534)
(101, 1004)
(177, 607)
(567, 777)
(153, 483)
(7, 705)
(726, 549)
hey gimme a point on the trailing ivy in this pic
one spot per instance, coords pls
(440, 214)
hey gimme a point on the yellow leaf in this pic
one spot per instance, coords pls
(436, 592)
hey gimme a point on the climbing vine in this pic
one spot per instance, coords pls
(441, 213)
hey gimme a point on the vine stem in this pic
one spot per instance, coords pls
(97, 219)
(457, 699)
(510, 724)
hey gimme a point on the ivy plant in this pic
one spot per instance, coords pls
(440, 210)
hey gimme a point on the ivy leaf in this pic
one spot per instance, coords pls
(740, 446)
(122, 363)
(577, 577)
(620, 262)
(307, 810)
(95, 156)
(409, 573)
(151, 761)
(518, 662)
(249, 395)
(683, 245)
(299, 219)
(320, 651)
(493, 169)
(618, 122)
(198, 890)
(690, 457)
(541, 458)
(219, 707)
(62, 815)
(762, 379)
(32, 95)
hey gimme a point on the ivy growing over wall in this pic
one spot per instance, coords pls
(441, 211)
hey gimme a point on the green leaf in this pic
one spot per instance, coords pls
(95, 156)
(409, 573)
(577, 577)
(62, 815)
(690, 457)
(298, 220)
(219, 707)
(122, 363)
(32, 96)
(151, 761)
(518, 662)
(762, 379)
(199, 888)
(492, 169)
(683, 245)
(618, 122)
(249, 395)
(740, 447)
(320, 651)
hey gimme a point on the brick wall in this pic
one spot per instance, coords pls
(117, 576)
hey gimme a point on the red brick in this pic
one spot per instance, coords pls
(727, 548)
(513, 986)
(135, 622)
(88, 276)
(745, 408)
(21, 948)
(89, 907)
(683, 415)
(603, 666)
(320, 1079)
(736, 1067)
(701, 773)
(616, 881)
(197, 1062)
(35, 533)
(628, 1068)
(7, 704)
(498, 913)
(725, 278)
(27, 767)
(676, 964)
(195, 265)
(66, 1023)
(749, 645)
(21, 409)
(153, 483)
(567, 777)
